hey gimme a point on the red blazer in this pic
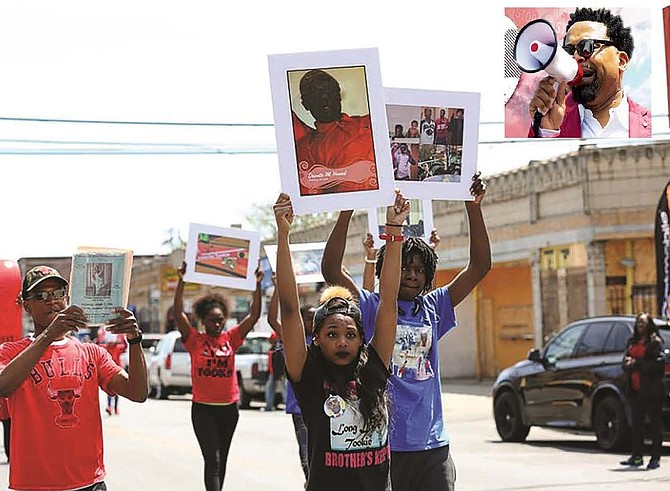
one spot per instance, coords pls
(639, 120)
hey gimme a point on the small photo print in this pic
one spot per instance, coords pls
(426, 142)
(222, 256)
(99, 279)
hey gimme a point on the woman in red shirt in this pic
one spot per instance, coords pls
(214, 412)
(644, 364)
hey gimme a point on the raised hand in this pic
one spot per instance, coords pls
(283, 210)
(478, 188)
(70, 319)
(396, 214)
(369, 245)
(434, 239)
(181, 271)
(124, 323)
(259, 274)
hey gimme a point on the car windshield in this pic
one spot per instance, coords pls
(179, 346)
(254, 345)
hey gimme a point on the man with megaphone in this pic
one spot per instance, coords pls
(586, 100)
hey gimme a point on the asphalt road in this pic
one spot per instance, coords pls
(152, 446)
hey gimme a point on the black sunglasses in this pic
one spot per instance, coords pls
(53, 295)
(587, 47)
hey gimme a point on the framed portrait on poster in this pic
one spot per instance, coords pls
(433, 138)
(306, 259)
(222, 256)
(419, 222)
(330, 124)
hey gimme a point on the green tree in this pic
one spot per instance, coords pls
(262, 218)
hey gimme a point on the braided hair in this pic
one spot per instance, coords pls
(371, 391)
(618, 34)
(412, 246)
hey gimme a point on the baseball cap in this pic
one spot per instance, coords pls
(37, 275)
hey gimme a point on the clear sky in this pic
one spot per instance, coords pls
(206, 61)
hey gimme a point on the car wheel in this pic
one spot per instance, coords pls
(508, 418)
(610, 425)
(245, 398)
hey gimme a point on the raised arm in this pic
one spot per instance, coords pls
(273, 308)
(180, 317)
(255, 309)
(370, 261)
(295, 349)
(389, 282)
(480, 248)
(333, 253)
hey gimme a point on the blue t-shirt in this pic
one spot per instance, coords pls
(291, 403)
(415, 389)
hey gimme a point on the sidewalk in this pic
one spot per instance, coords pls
(467, 386)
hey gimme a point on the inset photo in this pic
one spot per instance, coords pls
(578, 73)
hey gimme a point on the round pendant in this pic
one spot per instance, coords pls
(334, 406)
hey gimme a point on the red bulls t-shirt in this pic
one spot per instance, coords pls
(213, 366)
(56, 436)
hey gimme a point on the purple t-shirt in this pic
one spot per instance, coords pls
(415, 389)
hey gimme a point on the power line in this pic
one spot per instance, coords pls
(152, 123)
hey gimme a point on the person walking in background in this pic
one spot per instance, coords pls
(645, 365)
(115, 346)
(292, 407)
(214, 412)
(52, 381)
(340, 381)
(273, 376)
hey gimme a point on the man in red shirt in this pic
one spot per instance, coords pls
(51, 380)
(338, 155)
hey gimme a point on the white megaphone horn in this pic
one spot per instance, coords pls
(536, 48)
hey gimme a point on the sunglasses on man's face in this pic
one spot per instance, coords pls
(587, 47)
(52, 295)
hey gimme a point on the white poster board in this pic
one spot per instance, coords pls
(433, 142)
(220, 256)
(306, 260)
(330, 124)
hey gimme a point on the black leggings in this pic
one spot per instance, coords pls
(641, 407)
(214, 427)
(6, 430)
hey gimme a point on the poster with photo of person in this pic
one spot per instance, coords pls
(433, 137)
(331, 130)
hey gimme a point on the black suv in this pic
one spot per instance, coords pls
(575, 383)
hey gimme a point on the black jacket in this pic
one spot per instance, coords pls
(651, 368)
